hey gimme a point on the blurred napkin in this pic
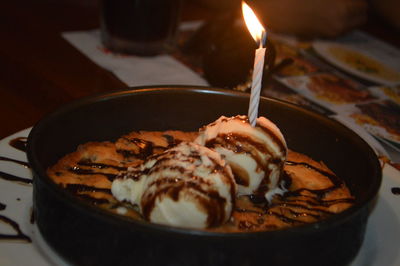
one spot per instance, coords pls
(134, 70)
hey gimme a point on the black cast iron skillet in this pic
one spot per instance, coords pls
(84, 235)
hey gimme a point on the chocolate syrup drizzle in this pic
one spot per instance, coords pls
(19, 144)
(210, 199)
(81, 191)
(301, 203)
(25, 164)
(19, 234)
(91, 164)
(17, 179)
(82, 171)
(94, 169)
(239, 143)
(396, 190)
(147, 148)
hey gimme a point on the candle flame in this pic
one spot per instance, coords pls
(253, 24)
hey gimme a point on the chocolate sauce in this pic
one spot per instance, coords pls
(207, 198)
(146, 148)
(25, 164)
(272, 135)
(19, 234)
(171, 140)
(93, 200)
(211, 200)
(334, 179)
(257, 198)
(78, 188)
(396, 190)
(19, 143)
(267, 131)
(297, 205)
(10, 177)
(319, 202)
(135, 175)
(80, 171)
(100, 165)
(286, 204)
(242, 143)
(237, 143)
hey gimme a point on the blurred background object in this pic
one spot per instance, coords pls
(227, 51)
(140, 27)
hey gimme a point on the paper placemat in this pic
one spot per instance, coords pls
(134, 70)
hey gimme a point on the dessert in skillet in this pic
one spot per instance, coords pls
(228, 177)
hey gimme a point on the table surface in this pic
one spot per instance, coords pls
(40, 71)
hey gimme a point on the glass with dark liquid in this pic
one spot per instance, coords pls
(141, 27)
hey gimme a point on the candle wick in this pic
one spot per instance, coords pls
(263, 39)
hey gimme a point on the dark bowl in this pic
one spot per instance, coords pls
(85, 235)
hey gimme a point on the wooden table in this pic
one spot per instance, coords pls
(39, 70)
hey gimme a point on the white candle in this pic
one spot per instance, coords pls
(259, 35)
(256, 85)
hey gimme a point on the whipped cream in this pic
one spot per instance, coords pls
(255, 154)
(188, 185)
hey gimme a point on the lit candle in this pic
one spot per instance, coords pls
(258, 33)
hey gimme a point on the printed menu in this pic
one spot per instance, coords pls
(361, 84)
(354, 79)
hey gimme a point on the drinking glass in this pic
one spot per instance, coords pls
(140, 27)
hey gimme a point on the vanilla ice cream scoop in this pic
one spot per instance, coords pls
(255, 154)
(188, 186)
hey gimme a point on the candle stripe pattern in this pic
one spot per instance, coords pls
(256, 85)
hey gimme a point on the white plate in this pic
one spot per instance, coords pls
(324, 49)
(380, 246)
(18, 200)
